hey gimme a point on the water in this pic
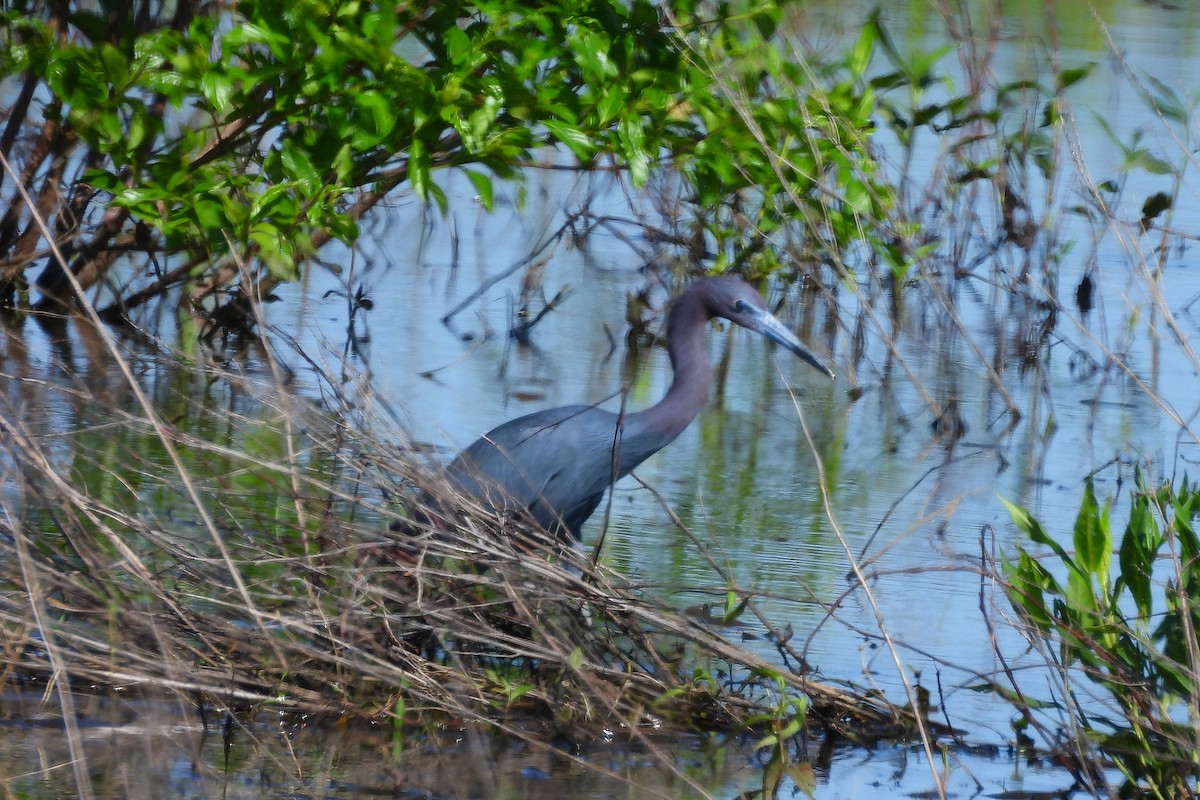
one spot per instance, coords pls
(917, 511)
(138, 747)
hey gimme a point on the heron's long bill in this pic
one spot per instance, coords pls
(769, 326)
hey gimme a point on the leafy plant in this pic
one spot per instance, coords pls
(797, 159)
(509, 686)
(782, 720)
(1131, 631)
(218, 148)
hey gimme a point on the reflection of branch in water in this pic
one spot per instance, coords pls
(520, 331)
(499, 276)
(430, 374)
(862, 554)
(612, 343)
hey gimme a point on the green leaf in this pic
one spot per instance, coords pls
(90, 24)
(138, 195)
(591, 52)
(1050, 114)
(1070, 77)
(275, 250)
(734, 608)
(1186, 509)
(483, 187)
(1146, 160)
(579, 142)
(1081, 597)
(277, 203)
(611, 104)
(103, 180)
(1033, 529)
(217, 89)
(766, 19)
(1027, 585)
(253, 33)
(418, 168)
(115, 66)
(299, 166)
(766, 741)
(864, 49)
(457, 43)
(210, 214)
(1139, 550)
(1165, 101)
(382, 114)
(483, 118)
(633, 140)
(344, 166)
(1093, 537)
(438, 196)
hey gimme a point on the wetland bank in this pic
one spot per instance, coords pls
(983, 219)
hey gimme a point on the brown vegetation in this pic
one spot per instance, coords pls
(292, 591)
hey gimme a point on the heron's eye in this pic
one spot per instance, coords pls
(741, 306)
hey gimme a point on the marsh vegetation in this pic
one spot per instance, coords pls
(265, 263)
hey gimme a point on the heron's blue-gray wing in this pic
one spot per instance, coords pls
(553, 465)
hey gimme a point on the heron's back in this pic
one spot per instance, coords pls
(553, 465)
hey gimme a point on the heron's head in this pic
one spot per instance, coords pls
(738, 302)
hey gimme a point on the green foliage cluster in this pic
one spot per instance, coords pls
(782, 723)
(1133, 631)
(274, 126)
(797, 152)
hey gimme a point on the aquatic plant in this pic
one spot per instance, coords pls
(1129, 628)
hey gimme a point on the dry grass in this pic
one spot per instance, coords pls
(299, 594)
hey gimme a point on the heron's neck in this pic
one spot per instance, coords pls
(662, 422)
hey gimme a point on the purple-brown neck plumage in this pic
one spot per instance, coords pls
(650, 430)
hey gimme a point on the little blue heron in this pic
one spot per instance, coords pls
(555, 465)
